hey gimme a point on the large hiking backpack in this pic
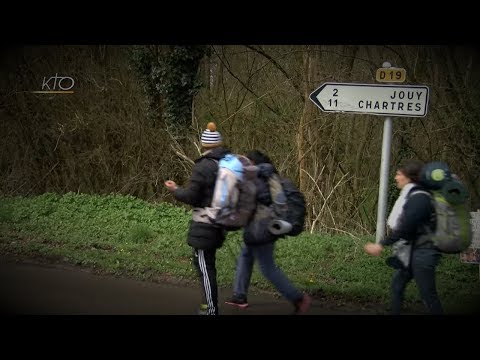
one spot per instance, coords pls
(453, 232)
(233, 201)
(288, 206)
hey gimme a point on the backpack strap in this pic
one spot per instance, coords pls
(424, 237)
(418, 190)
(415, 192)
(279, 199)
(214, 160)
(275, 185)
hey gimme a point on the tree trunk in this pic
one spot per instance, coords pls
(303, 131)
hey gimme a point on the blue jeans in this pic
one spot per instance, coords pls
(264, 255)
(424, 263)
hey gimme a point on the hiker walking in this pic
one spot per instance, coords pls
(204, 237)
(259, 244)
(411, 219)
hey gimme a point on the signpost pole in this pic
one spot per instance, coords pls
(384, 167)
(383, 188)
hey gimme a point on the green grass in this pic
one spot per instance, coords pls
(127, 236)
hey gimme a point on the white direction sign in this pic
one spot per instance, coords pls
(375, 99)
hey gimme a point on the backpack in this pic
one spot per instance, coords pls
(453, 232)
(233, 201)
(288, 205)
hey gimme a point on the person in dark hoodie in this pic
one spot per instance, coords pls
(415, 257)
(204, 237)
(259, 244)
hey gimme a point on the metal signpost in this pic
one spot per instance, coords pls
(376, 99)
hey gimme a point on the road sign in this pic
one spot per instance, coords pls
(391, 75)
(375, 99)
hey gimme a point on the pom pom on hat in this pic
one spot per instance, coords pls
(211, 137)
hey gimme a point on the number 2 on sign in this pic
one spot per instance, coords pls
(332, 102)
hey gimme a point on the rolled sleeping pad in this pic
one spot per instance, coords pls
(279, 227)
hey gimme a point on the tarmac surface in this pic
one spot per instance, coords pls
(61, 308)
(47, 289)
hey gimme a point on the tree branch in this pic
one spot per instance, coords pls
(245, 85)
(277, 65)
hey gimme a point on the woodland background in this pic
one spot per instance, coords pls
(137, 112)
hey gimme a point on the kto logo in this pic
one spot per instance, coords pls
(57, 85)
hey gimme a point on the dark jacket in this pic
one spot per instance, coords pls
(418, 218)
(256, 232)
(265, 171)
(199, 193)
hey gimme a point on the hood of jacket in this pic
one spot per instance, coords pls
(216, 153)
(266, 170)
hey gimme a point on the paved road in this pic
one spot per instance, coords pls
(39, 289)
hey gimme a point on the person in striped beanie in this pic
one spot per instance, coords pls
(204, 237)
(211, 138)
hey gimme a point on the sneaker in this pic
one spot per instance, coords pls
(303, 305)
(237, 301)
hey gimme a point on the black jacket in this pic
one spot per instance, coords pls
(199, 193)
(418, 218)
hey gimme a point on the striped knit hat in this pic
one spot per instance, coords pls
(211, 137)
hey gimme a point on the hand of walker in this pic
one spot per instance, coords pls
(171, 185)
(373, 249)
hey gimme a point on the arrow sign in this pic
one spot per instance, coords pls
(375, 99)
